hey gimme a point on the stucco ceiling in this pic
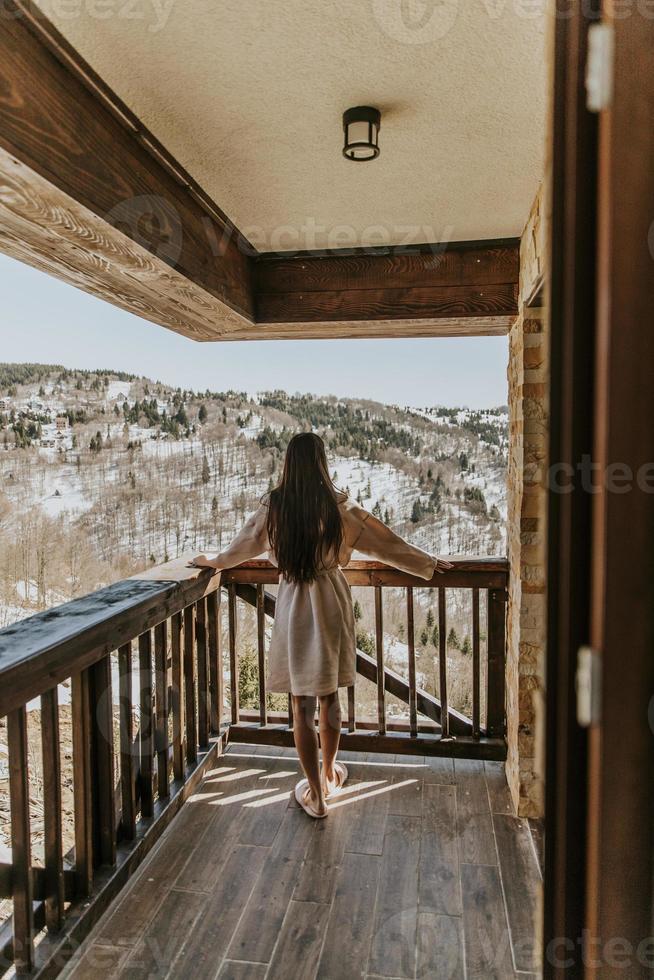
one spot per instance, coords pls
(249, 94)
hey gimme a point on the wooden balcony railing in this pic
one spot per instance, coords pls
(444, 731)
(136, 758)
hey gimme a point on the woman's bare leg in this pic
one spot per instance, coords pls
(306, 743)
(330, 733)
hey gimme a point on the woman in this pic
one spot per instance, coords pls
(309, 530)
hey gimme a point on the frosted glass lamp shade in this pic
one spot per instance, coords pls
(361, 128)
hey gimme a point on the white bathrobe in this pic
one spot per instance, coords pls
(312, 648)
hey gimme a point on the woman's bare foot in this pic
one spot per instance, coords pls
(319, 806)
(312, 803)
(334, 779)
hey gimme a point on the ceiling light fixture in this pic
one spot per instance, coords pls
(361, 127)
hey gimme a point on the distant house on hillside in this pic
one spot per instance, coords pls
(62, 423)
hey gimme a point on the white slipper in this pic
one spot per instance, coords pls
(300, 790)
(340, 770)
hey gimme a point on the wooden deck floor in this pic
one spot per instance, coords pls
(420, 870)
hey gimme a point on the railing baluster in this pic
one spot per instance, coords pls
(128, 806)
(351, 709)
(495, 683)
(475, 664)
(177, 702)
(379, 644)
(261, 649)
(102, 726)
(82, 791)
(145, 725)
(161, 708)
(203, 679)
(52, 819)
(189, 685)
(442, 662)
(215, 661)
(233, 659)
(413, 714)
(23, 924)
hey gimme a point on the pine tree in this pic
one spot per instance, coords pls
(416, 512)
(424, 636)
(430, 619)
(357, 610)
(202, 414)
(435, 637)
(365, 642)
(453, 639)
(466, 646)
(206, 472)
(248, 678)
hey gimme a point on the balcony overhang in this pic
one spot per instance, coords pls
(90, 196)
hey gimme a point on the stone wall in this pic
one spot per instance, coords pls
(527, 503)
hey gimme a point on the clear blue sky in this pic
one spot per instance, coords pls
(47, 321)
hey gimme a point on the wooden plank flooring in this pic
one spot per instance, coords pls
(420, 871)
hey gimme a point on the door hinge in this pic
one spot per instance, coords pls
(588, 685)
(599, 66)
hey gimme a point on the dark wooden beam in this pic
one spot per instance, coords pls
(447, 284)
(481, 263)
(89, 195)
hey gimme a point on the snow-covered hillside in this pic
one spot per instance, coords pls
(102, 474)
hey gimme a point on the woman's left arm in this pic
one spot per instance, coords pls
(250, 542)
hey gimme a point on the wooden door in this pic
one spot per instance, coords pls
(600, 779)
(572, 331)
(621, 743)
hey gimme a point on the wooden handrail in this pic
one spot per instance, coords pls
(484, 573)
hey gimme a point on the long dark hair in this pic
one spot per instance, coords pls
(304, 522)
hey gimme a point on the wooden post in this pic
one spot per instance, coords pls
(20, 841)
(202, 669)
(351, 709)
(261, 650)
(411, 643)
(52, 820)
(215, 661)
(161, 708)
(82, 781)
(495, 679)
(233, 658)
(177, 701)
(189, 685)
(379, 644)
(127, 777)
(102, 729)
(145, 727)
(476, 685)
(442, 662)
